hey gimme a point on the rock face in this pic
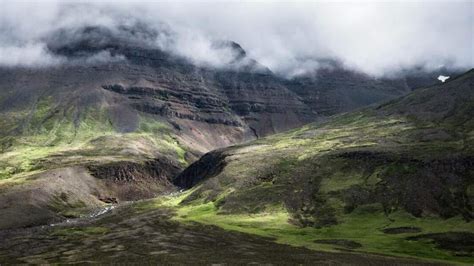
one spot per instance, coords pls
(133, 181)
(129, 171)
(209, 165)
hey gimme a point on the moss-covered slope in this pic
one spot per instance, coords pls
(61, 158)
(408, 163)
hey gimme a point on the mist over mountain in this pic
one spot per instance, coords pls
(289, 39)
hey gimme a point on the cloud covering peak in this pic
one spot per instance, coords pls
(289, 38)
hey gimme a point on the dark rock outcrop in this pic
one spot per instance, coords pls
(209, 165)
(343, 243)
(133, 181)
(158, 169)
(402, 230)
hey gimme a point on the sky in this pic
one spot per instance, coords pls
(291, 38)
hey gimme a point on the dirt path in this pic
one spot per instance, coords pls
(127, 235)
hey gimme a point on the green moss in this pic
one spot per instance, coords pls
(53, 138)
(340, 181)
(365, 225)
(151, 125)
(67, 207)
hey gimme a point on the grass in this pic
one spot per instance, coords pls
(364, 226)
(290, 158)
(66, 207)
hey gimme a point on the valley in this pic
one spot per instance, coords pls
(154, 159)
(137, 233)
(346, 185)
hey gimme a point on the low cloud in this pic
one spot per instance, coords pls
(291, 39)
(25, 55)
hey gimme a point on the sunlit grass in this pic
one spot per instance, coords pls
(363, 226)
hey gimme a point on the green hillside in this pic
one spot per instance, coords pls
(50, 136)
(54, 148)
(395, 179)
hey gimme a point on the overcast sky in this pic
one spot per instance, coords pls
(375, 37)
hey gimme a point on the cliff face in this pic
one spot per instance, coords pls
(214, 108)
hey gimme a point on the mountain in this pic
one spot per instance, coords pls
(393, 179)
(121, 117)
(400, 173)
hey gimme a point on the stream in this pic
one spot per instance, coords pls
(95, 213)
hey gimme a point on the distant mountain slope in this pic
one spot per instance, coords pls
(334, 89)
(408, 163)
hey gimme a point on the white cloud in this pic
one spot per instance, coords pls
(27, 55)
(375, 37)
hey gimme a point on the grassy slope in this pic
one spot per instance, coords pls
(49, 137)
(363, 226)
(352, 177)
(38, 141)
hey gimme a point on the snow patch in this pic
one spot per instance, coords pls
(443, 78)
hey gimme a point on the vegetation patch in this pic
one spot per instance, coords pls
(364, 226)
(66, 207)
